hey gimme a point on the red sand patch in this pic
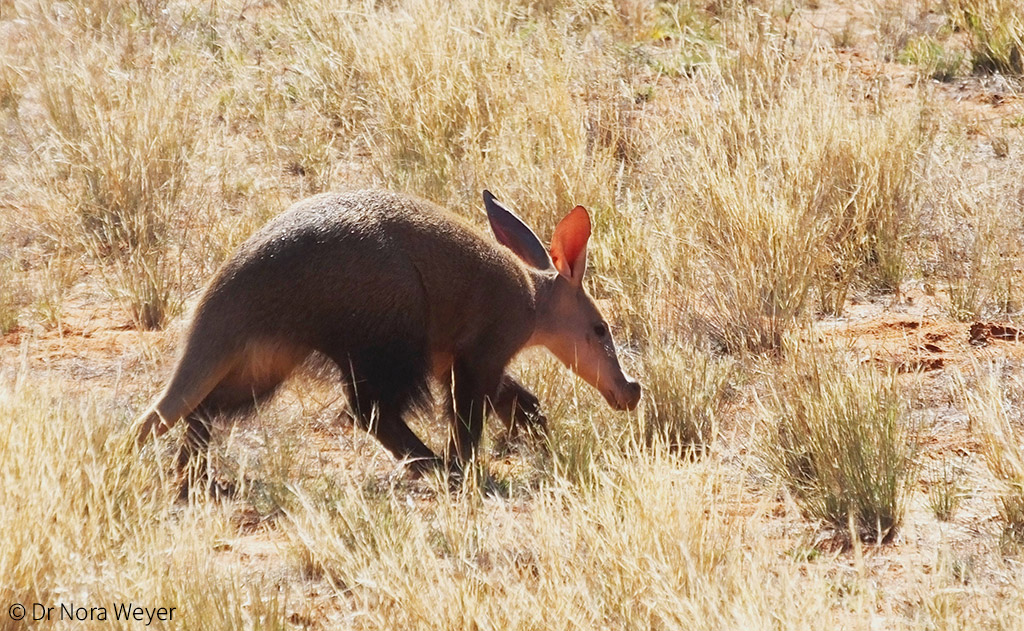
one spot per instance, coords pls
(925, 344)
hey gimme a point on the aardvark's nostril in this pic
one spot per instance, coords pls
(633, 392)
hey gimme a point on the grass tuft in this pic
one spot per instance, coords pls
(401, 562)
(686, 391)
(796, 194)
(843, 446)
(996, 28)
(994, 418)
(9, 299)
(932, 58)
(946, 491)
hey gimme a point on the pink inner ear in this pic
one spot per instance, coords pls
(570, 242)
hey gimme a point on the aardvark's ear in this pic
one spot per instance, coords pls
(515, 235)
(569, 245)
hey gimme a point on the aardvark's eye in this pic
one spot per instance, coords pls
(600, 330)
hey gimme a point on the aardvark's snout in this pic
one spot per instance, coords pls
(625, 395)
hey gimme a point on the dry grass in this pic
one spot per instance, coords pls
(999, 428)
(623, 554)
(996, 28)
(9, 299)
(841, 443)
(947, 492)
(116, 145)
(979, 259)
(744, 177)
(796, 194)
(686, 391)
(86, 521)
